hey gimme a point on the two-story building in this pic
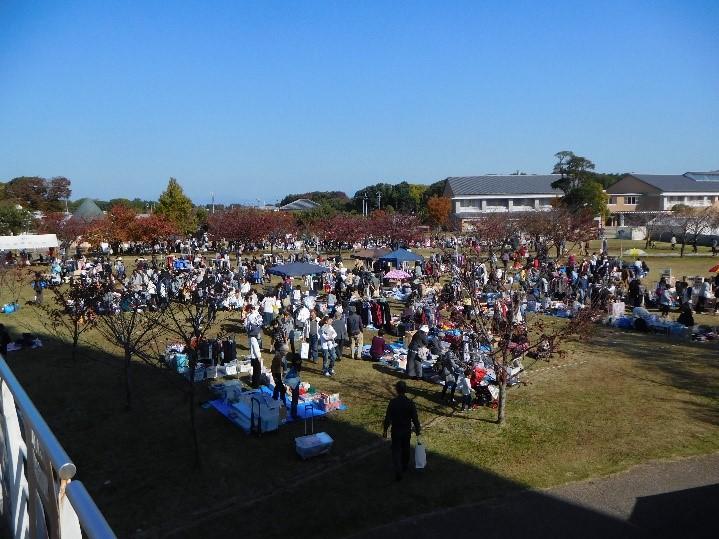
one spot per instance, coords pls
(473, 196)
(656, 193)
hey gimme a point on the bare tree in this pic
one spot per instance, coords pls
(189, 322)
(503, 332)
(13, 278)
(688, 223)
(72, 312)
(131, 326)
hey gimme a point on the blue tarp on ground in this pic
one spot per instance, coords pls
(401, 255)
(303, 413)
(297, 269)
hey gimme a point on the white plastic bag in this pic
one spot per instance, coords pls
(305, 350)
(420, 455)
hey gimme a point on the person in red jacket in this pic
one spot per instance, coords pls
(376, 350)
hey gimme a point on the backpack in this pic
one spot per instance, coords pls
(253, 330)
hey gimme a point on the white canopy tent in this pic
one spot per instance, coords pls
(28, 242)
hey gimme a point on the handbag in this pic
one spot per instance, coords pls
(305, 350)
(420, 455)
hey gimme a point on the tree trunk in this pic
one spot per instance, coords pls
(75, 339)
(191, 400)
(502, 399)
(681, 252)
(128, 380)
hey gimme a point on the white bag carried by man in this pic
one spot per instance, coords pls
(420, 455)
(305, 350)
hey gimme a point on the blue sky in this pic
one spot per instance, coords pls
(258, 99)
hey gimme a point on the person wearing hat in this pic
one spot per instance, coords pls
(414, 363)
(355, 328)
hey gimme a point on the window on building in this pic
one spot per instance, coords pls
(524, 202)
(497, 203)
(612, 200)
(470, 203)
(630, 200)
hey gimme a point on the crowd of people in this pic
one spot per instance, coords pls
(322, 318)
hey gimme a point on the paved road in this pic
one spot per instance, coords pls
(661, 499)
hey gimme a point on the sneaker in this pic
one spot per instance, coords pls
(332, 372)
(327, 374)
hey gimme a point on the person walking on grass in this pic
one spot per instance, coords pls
(401, 416)
(278, 367)
(340, 325)
(355, 329)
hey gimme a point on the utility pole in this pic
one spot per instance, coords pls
(379, 200)
(213, 202)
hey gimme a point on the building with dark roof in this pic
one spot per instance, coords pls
(661, 192)
(301, 204)
(473, 196)
(88, 211)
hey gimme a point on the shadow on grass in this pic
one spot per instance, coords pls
(689, 367)
(136, 464)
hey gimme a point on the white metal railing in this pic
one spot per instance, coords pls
(38, 498)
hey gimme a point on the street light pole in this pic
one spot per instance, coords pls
(379, 200)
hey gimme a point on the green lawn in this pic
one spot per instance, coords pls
(613, 400)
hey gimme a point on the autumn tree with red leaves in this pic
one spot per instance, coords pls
(67, 229)
(340, 229)
(152, 228)
(438, 210)
(393, 228)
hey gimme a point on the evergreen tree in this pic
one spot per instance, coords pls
(177, 207)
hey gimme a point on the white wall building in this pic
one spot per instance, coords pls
(473, 196)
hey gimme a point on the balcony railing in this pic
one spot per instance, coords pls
(39, 499)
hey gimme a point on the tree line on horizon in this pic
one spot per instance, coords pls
(20, 197)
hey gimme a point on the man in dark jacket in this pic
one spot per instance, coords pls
(449, 372)
(278, 367)
(342, 336)
(355, 328)
(401, 416)
(414, 363)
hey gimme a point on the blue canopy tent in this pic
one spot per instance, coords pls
(296, 269)
(401, 255)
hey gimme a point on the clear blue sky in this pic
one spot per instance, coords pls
(258, 99)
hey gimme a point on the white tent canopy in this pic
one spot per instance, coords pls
(28, 241)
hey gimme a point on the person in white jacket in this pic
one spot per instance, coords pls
(705, 293)
(465, 389)
(327, 342)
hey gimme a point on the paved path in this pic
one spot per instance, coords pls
(675, 499)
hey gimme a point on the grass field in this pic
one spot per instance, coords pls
(612, 401)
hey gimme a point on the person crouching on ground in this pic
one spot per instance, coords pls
(376, 350)
(401, 416)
